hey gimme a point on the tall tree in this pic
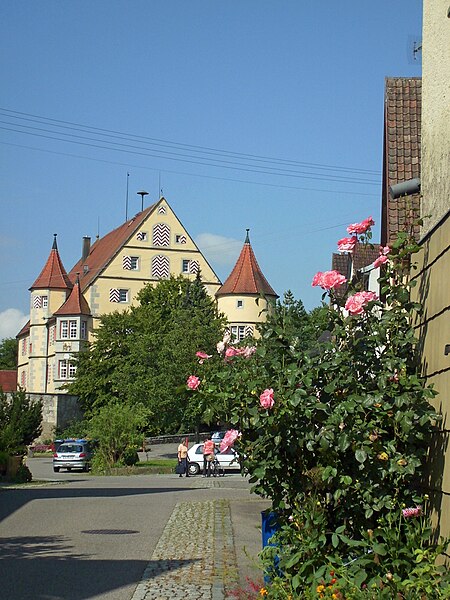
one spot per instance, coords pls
(142, 355)
(8, 353)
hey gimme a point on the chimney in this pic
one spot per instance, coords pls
(86, 247)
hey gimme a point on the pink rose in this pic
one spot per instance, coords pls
(266, 398)
(356, 303)
(193, 382)
(230, 352)
(202, 356)
(248, 351)
(228, 439)
(380, 261)
(347, 244)
(408, 513)
(317, 279)
(362, 227)
(385, 250)
(328, 280)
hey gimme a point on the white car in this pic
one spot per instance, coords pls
(226, 460)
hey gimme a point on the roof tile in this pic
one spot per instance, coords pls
(246, 276)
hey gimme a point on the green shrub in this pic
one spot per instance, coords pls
(23, 475)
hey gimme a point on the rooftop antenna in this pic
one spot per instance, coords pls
(142, 194)
(414, 46)
(98, 228)
(159, 186)
(126, 203)
(417, 47)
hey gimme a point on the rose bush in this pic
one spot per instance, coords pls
(342, 438)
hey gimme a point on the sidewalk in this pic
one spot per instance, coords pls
(215, 555)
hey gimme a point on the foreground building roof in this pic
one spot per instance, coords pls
(401, 160)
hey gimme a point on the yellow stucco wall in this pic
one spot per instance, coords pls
(254, 310)
(433, 276)
(435, 137)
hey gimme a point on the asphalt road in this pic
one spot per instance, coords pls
(82, 537)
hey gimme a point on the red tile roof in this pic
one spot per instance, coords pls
(105, 249)
(342, 263)
(25, 330)
(401, 161)
(75, 303)
(365, 255)
(246, 277)
(8, 381)
(53, 275)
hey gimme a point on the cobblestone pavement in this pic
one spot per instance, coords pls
(195, 556)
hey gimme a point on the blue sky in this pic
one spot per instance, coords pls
(260, 114)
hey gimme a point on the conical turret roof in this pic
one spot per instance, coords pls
(75, 303)
(246, 276)
(53, 275)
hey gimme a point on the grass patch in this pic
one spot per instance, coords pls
(158, 466)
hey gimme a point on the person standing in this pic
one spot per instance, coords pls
(183, 457)
(208, 457)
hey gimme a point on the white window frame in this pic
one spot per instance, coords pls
(62, 369)
(64, 330)
(73, 329)
(44, 301)
(185, 266)
(66, 369)
(239, 304)
(238, 332)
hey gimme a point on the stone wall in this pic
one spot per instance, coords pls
(58, 410)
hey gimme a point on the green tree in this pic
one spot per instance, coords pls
(141, 355)
(118, 429)
(20, 421)
(8, 353)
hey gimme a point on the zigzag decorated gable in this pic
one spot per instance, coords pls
(126, 263)
(160, 267)
(161, 234)
(193, 266)
(37, 302)
(114, 295)
(162, 209)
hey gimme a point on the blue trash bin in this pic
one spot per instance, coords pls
(270, 525)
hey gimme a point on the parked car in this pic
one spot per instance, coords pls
(227, 460)
(73, 454)
(218, 436)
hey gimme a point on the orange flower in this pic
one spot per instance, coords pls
(263, 592)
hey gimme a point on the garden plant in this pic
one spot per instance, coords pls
(336, 436)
